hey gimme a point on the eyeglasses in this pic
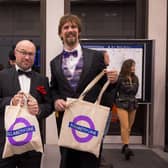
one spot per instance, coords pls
(24, 53)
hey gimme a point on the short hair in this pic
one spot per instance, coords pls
(69, 18)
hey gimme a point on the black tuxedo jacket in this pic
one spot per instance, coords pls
(9, 86)
(93, 65)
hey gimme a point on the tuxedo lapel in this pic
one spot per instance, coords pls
(15, 80)
(33, 83)
(59, 70)
(87, 62)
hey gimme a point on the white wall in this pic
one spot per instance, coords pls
(54, 10)
(157, 31)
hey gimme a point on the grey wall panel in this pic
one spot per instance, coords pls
(106, 21)
(21, 21)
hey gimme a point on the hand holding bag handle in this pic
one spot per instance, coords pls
(22, 131)
(19, 104)
(25, 96)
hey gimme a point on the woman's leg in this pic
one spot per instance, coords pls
(126, 121)
(124, 125)
(131, 119)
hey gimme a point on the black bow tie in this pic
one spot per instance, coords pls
(28, 74)
(66, 54)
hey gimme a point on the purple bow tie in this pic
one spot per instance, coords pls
(66, 54)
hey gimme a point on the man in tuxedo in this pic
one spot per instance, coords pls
(14, 82)
(71, 72)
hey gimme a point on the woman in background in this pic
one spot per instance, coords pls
(126, 102)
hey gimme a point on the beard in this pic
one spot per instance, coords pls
(71, 39)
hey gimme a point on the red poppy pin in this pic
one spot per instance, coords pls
(42, 90)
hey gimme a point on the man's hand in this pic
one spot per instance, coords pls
(32, 105)
(112, 75)
(60, 105)
(18, 99)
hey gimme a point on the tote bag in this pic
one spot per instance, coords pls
(84, 122)
(22, 131)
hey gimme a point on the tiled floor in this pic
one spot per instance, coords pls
(144, 157)
(51, 156)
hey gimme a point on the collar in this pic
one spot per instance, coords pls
(17, 68)
(78, 48)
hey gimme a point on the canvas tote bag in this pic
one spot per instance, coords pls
(22, 131)
(84, 122)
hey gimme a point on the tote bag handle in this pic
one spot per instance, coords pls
(91, 84)
(101, 92)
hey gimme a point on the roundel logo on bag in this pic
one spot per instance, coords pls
(91, 132)
(12, 133)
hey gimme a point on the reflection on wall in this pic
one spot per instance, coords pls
(106, 20)
(18, 21)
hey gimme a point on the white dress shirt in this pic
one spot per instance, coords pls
(73, 61)
(24, 81)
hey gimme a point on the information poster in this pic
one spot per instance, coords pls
(118, 53)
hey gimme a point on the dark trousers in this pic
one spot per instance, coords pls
(30, 159)
(77, 159)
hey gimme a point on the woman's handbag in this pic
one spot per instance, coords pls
(22, 131)
(84, 122)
